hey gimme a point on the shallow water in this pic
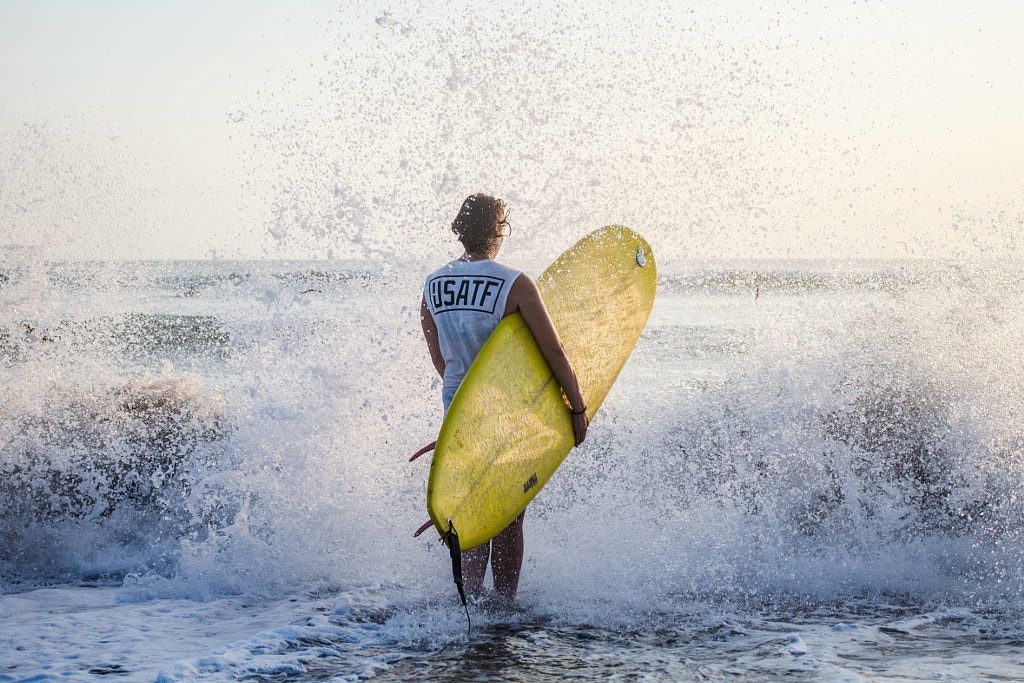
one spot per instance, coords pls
(79, 633)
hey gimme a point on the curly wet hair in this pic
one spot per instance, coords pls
(481, 219)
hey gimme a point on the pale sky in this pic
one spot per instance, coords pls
(319, 129)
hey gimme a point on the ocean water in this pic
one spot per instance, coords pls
(807, 471)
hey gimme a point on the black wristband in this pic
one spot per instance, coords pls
(579, 413)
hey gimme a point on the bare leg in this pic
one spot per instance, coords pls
(474, 566)
(508, 558)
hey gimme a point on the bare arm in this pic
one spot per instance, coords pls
(430, 334)
(525, 298)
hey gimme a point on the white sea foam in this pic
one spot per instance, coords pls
(845, 441)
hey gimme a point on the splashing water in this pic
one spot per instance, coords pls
(850, 432)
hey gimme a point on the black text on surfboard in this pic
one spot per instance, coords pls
(464, 293)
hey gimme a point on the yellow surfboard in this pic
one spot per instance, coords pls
(508, 428)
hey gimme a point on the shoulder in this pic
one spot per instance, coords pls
(523, 285)
(523, 293)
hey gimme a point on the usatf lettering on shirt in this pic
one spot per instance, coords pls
(467, 301)
(463, 293)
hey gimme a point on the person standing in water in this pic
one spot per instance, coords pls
(463, 302)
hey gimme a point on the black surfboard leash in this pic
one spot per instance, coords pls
(451, 537)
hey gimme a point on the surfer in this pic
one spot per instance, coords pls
(462, 303)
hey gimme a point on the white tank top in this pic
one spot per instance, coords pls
(467, 300)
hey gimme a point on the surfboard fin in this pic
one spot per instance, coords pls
(452, 539)
(426, 449)
(423, 528)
